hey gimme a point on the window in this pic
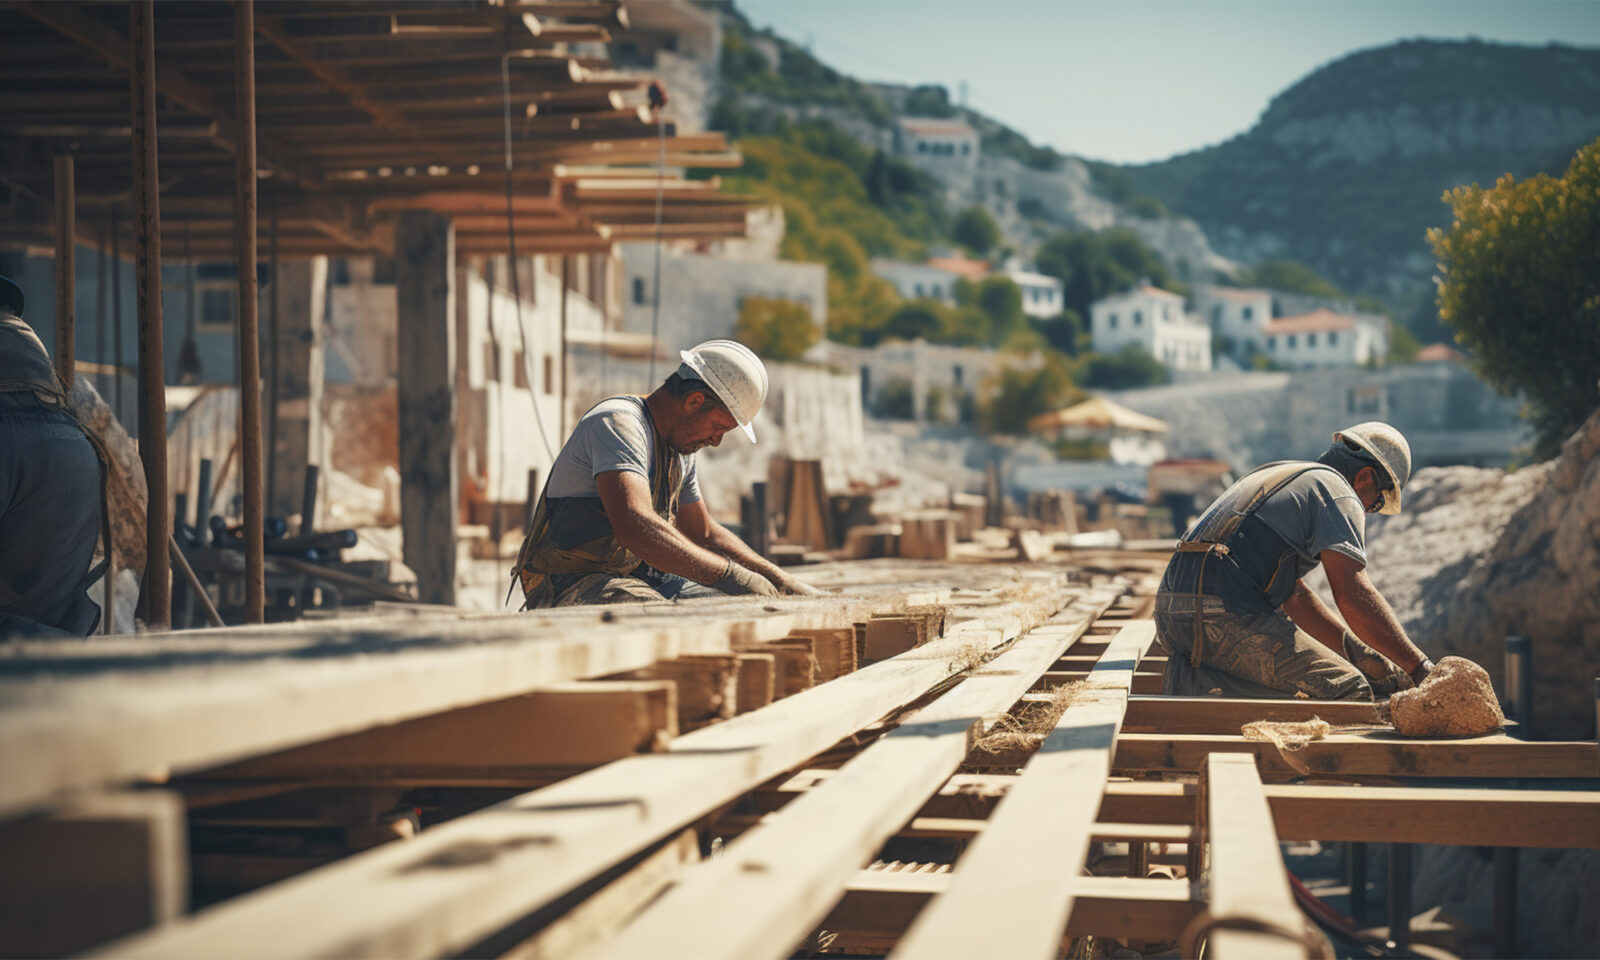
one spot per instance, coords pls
(922, 146)
(1311, 339)
(1111, 320)
(955, 374)
(1138, 318)
(549, 374)
(937, 291)
(491, 362)
(217, 312)
(918, 288)
(1291, 341)
(519, 374)
(1248, 313)
(1333, 339)
(638, 290)
(1364, 401)
(1216, 313)
(1272, 343)
(966, 149)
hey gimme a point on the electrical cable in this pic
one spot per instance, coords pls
(511, 240)
(658, 100)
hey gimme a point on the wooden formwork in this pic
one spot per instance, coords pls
(727, 778)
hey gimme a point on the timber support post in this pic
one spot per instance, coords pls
(1399, 895)
(66, 211)
(429, 485)
(157, 593)
(294, 408)
(255, 570)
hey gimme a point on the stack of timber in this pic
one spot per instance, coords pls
(710, 778)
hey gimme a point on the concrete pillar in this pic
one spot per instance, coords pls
(429, 486)
(299, 432)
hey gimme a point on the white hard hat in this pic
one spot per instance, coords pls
(734, 373)
(1388, 446)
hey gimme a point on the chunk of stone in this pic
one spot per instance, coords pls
(1457, 700)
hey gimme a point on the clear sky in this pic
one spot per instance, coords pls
(1137, 80)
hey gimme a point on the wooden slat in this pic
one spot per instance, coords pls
(1013, 890)
(1370, 755)
(457, 883)
(1247, 876)
(1179, 715)
(776, 881)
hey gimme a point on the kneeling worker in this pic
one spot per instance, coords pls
(621, 517)
(1232, 608)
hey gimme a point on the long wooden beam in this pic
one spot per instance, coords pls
(1248, 879)
(1013, 891)
(1384, 754)
(774, 883)
(456, 884)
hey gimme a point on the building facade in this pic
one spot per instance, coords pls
(1323, 338)
(1041, 295)
(918, 281)
(1235, 315)
(944, 147)
(1153, 319)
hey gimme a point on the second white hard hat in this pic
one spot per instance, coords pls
(1388, 446)
(734, 373)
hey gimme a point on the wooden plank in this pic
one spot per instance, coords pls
(454, 884)
(1247, 877)
(1447, 815)
(1019, 874)
(102, 867)
(773, 883)
(878, 907)
(574, 724)
(1176, 715)
(707, 686)
(1370, 755)
(1144, 683)
(834, 651)
(429, 495)
(890, 636)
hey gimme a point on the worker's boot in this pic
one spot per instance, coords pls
(1382, 676)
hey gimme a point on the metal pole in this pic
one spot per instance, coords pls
(66, 273)
(195, 587)
(152, 355)
(1519, 684)
(116, 314)
(308, 501)
(1356, 874)
(182, 602)
(275, 308)
(565, 258)
(1400, 894)
(202, 500)
(244, 42)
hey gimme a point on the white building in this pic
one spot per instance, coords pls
(1236, 314)
(1323, 338)
(1155, 320)
(941, 378)
(1041, 295)
(917, 281)
(942, 146)
(701, 295)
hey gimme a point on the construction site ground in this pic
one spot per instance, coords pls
(956, 758)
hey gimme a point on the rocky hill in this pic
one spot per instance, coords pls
(1345, 169)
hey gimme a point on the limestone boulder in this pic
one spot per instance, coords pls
(1456, 700)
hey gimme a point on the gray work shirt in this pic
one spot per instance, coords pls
(613, 435)
(1316, 511)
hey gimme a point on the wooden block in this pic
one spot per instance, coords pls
(872, 541)
(708, 686)
(569, 724)
(928, 535)
(833, 649)
(757, 673)
(891, 636)
(796, 669)
(107, 865)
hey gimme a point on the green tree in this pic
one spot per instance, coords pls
(1065, 332)
(776, 329)
(924, 319)
(1403, 344)
(1094, 265)
(1130, 367)
(894, 400)
(1290, 276)
(1022, 394)
(1521, 286)
(1000, 299)
(976, 230)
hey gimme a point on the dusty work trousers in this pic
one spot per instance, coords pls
(1255, 656)
(641, 586)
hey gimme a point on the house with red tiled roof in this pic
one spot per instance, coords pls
(1323, 338)
(1155, 320)
(1440, 353)
(939, 145)
(1236, 315)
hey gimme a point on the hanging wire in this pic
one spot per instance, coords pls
(658, 100)
(511, 240)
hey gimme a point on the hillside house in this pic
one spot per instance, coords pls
(1155, 320)
(1323, 338)
(1041, 295)
(1237, 315)
(943, 147)
(918, 281)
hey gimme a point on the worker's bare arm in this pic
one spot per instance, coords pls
(1366, 611)
(1313, 616)
(636, 525)
(697, 523)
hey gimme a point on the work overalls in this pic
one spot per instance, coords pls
(1238, 652)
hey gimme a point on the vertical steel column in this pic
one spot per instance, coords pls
(152, 354)
(66, 212)
(244, 41)
(1400, 894)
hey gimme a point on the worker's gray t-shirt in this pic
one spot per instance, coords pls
(614, 435)
(1316, 511)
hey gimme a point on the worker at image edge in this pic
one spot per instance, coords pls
(50, 489)
(1234, 610)
(621, 518)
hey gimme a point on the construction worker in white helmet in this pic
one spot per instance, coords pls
(621, 518)
(1234, 611)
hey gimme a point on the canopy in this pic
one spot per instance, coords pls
(1098, 413)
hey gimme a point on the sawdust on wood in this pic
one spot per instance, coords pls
(1457, 700)
(1029, 726)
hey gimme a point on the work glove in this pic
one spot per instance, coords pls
(1421, 672)
(795, 587)
(1383, 677)
(741, 581)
